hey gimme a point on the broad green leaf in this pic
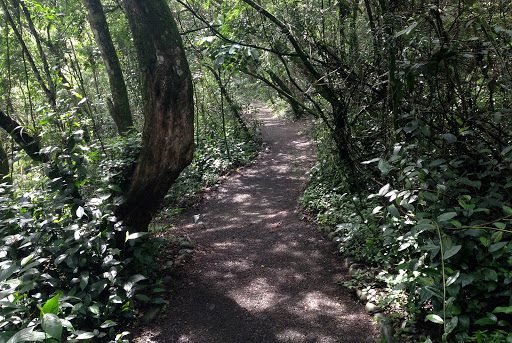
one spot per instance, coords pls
(108, 324)
(452, 324)
(434, 291)
(436, 163)
(132, 281)
(384, 190)
(67, 324)
(52, 325)
(507, 209)
(142, 297)
(500, 225)
(51, 306)
(466, 279)
(27, 335)
(449, 138)
(419, 228)
(447, 242)
(115, 188)
(491, 319)
(84, 335)
(435, 318)
(44, 121)
(158, 301)
(384, 167)
(506, 150)
(431, 247)
(452, 278)
(407, 31)
(501, 309)
(497, 246)
(464, 323)
(26, 259)
(7, 272)
(485, 241)
(135, 235)
(80, 212)
(60, 258)
(94, 309)
(393, 211)
(456, 223)
(452, 251)
(490, 274)
(84, 280)
(446, 216)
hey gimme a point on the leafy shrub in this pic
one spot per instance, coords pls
(61, 279)
(439, 229)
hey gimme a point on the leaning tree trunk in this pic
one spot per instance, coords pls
(168, 135)
(119, 106)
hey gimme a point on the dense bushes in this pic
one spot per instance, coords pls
(61, 279)
(440, 232)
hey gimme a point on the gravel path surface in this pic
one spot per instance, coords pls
(259, 274)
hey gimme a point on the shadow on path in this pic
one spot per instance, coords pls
(259, 273)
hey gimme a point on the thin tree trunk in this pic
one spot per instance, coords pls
(4, 165)
(393, 86)
(42, 55)
(119, 106)
(49, 94)
(235, 110)
(168, 135)
(296, 108)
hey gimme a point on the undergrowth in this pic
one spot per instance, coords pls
(435, 233)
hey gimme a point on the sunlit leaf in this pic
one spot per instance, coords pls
(435, 318)
(52, 325)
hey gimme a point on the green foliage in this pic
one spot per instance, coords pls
(61, 276)
(212, 160)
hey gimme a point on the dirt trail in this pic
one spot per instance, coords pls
(260, 274)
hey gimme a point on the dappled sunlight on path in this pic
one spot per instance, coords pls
(259, 273)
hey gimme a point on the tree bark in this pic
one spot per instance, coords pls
(4, 165)
(119, 106)
(168, 135)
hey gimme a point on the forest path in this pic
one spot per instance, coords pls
(259, 274)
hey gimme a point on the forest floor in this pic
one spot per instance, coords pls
(259, 273)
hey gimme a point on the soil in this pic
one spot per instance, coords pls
(258, 272)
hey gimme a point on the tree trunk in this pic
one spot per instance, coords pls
(119, 106)
(51, 96)
(393, 82)
(235, 110)
(168, 135)
(296, 108)
(4, 165)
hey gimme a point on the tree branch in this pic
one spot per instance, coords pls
(25, 140)
(224, 38)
